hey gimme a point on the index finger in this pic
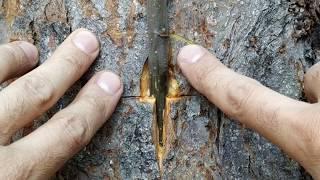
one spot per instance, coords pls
(245, 99)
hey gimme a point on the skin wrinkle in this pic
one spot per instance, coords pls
(270, 119)
(308, 152)
(76, 129)
(211, 72)
(15, 61)
(8, 127)
(20, 58)
(73, 61)
(56, 158)
(266, 119)
(239, 94)
(19, 167)
(38, 88)
(12, 53)
(92, 103)
(205, 74)
(310, 137)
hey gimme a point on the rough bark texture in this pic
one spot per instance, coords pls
(122, 149)
(273, 41)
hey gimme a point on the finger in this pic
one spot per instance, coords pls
(16, 58)
(312, 83)
(31, 95)
(266, 111)
(67, 132)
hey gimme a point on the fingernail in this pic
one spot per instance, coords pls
(86, 41)
(30, 50)
(191, 54)
(109, 82)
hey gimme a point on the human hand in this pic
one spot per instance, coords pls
(292, 125)
(44, 151)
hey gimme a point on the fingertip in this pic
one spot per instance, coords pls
(86, 41)
(110, 83)
(191, 54)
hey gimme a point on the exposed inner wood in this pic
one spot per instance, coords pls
(11, 8)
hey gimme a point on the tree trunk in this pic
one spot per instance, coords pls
(273, 41)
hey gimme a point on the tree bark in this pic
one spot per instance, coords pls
(273, 41)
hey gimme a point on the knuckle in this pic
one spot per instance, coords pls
(38, 90)
(76, 130)
(238, 93)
